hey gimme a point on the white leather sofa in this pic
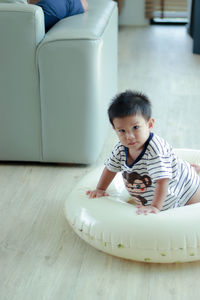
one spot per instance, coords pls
(55, 88)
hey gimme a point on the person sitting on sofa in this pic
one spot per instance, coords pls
(55, 10)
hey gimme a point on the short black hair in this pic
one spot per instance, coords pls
(129, 103)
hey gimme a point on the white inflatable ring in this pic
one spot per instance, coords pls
(112, 225)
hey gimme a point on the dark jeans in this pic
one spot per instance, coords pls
(55, 10)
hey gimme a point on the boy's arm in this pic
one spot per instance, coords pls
(104, 181)
(159, 198)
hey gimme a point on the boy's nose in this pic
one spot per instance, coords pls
(130, 135)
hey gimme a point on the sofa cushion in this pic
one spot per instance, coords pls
(13, 1)
(59, 9)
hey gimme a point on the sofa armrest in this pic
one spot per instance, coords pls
(77, 63)
(89, 25)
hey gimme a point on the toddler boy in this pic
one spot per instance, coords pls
(154, 176)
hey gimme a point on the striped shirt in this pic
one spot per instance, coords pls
(156, 161)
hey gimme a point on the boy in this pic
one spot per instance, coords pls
(154, 177)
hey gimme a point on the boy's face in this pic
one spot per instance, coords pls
(133, 131)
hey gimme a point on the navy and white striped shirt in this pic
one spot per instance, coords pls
(156, 161)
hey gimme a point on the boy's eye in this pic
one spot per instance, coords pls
(121, 130)
(136, 127)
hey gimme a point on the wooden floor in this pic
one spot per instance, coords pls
(41, 258)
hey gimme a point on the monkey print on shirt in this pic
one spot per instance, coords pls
(136, 185)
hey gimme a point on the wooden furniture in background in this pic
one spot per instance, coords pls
(166, 8)
(120, 3)
(33, 1)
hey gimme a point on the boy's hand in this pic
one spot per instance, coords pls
(96, 193)
(147, 209)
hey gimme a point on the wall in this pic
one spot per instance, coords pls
(132, 13)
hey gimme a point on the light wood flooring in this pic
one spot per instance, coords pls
(41, 258)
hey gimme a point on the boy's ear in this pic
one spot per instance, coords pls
(151, 123)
